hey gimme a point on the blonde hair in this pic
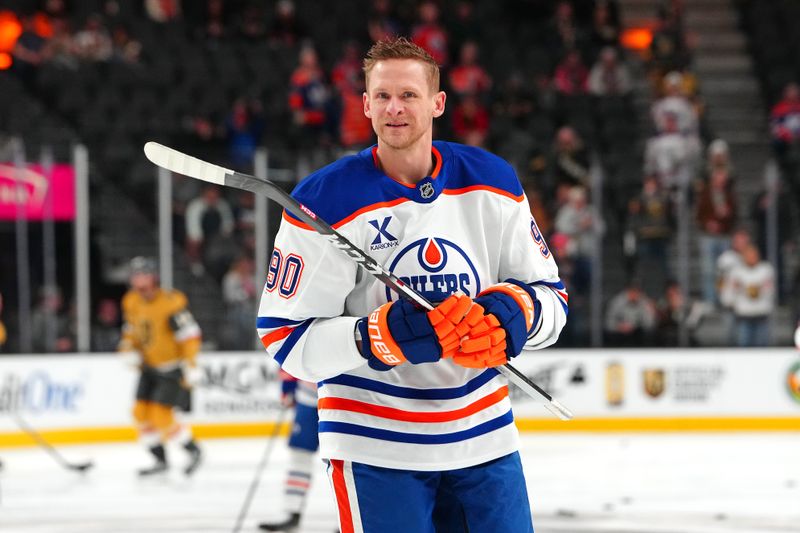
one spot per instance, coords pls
(401, 48)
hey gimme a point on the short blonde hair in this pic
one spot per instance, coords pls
(401, 48)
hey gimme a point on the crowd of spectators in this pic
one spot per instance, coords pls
(548, 89)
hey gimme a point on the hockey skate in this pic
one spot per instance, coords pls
(161, 462)
(289, 525)
(195, 457)
(157, 468)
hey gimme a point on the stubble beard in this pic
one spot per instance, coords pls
(401, 144)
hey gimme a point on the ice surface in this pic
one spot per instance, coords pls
(609, 483)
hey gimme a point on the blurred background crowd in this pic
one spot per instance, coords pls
(659, 146)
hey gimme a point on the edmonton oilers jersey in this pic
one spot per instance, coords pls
(464, 228)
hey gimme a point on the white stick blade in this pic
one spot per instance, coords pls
(559, 410)
(187, 165)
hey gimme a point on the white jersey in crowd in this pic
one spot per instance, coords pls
(752, 289)
(726, 262)
(464, 228)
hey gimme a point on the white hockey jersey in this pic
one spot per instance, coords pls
(465, 227)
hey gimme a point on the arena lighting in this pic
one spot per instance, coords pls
(10, 30)
(636, 38)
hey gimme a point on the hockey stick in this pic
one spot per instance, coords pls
(181, 163)
(259, 471)
(32, 433)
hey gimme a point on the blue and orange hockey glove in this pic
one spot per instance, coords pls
(400, 331)
(500, 321)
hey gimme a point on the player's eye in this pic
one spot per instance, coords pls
(382, 96)
(409, 94)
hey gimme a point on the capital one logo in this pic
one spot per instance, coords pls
(383, 232)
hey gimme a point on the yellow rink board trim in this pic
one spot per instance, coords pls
(594, 425)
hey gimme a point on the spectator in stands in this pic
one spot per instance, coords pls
(609, 77)
(252, 26)
(673, 310)
(668, 49)
(215, 25)
(651, 224)
(382, 24)
(308, 99)
(355, 130)
(578, 221)
(570, 77)
(125, 48)
(752, 286)
(516, 102)
(630, 318)
(716, 215)
(429, 34)
(50, 325)
(785, 120)
(92, 43)
(605, 25)
(727, 261)
(562, 33)
(3, 332)
(667, 156)
(163, 10)
(106, 326)
(785, 130)
(718, 157)
(468, 77)
(569, 160)
(207, 217)
(286, 29)
(470, 121)
(28, 51)
(675, 103)
(244, 128)
(239, 293)
(464, 26)
(60, 49)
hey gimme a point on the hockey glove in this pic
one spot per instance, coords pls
(192, 375)
(400, 331)
(510, 310)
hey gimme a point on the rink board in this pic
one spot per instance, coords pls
(88, 398)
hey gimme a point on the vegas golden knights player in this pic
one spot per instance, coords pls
(163, 337)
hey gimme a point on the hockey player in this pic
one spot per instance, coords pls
(163, 338)
(303, 445)
(415, 423)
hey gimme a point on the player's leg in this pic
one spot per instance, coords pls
(303, 444)
(148, 433)
(168, 395)
(373, 499)
(493, 496)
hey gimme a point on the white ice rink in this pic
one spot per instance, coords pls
(671, 483)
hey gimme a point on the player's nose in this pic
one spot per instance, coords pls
(395, 106)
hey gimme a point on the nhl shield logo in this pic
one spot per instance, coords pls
(653, 381)
(426, 190)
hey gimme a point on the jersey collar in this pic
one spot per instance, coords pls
(427, 189)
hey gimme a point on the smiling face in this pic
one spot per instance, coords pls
(401, 102)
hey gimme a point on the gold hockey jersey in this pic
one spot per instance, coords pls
(162, 330)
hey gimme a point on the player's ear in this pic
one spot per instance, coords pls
(365, 99)
(438, 104)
